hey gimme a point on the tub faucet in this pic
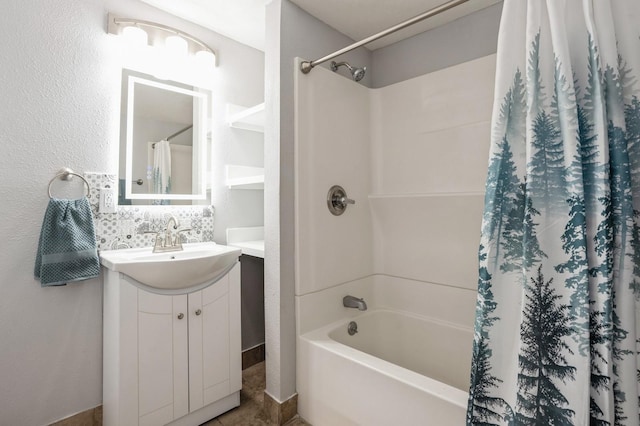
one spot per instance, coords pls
(354, 302)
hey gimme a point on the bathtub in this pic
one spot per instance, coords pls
(400, 368)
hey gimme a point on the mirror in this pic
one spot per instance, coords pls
(163, 149)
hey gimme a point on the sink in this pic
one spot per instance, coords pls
(196, 266)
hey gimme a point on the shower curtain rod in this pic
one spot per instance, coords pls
(307, 66)
(179, 132)
(168, 138)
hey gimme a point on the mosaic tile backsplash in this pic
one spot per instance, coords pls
(126, 228)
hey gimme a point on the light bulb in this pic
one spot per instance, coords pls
(135, 35)
(206, 58)
(176, 46)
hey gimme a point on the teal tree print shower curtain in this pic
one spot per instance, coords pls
(557, 319)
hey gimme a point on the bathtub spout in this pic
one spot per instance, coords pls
(354, 302)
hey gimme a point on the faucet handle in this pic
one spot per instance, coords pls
(158, 240)
(177, 240)
(344, 201)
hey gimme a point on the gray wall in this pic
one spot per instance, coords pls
(462, 40)
(60, 80)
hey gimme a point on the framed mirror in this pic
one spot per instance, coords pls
(163, 148)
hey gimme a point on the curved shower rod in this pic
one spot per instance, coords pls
(307, 66)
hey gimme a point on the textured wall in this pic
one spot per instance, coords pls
(60, 79)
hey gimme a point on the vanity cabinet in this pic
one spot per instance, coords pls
(170, 359)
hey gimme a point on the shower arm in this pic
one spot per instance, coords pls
(307, 66)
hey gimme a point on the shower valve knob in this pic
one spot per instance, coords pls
(337, 200)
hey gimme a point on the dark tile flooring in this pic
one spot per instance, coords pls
(250, 411)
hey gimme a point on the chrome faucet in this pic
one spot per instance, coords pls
(169, 242)
(354, 302)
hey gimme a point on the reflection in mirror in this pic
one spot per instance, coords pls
(165, 141)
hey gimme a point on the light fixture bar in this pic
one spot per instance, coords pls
(115, 23)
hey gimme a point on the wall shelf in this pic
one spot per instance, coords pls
(249, 239)
(240, 117)
(244, 177)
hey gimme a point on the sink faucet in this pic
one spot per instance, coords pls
(354, 302)
(170, 242)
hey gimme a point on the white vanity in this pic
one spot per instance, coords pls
(172, 358)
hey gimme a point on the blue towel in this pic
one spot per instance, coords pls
(67, 250)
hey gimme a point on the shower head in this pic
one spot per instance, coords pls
(356, 73)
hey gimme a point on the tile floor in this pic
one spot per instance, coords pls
(250, 412)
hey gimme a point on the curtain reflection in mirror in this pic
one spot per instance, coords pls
(161, 179)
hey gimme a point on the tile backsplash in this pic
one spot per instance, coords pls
(126, 228)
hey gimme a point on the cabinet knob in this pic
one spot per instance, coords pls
(198, 312)
(180, 315)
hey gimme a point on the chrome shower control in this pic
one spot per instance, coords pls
(337, 200)
(352, 328)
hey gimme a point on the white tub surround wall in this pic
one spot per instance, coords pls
(430, 150)
(330, 249)
(419, 159)
(450, 305)
(413, 155)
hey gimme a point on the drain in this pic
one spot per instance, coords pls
(352, 328)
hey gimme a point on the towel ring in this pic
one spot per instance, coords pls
(66, 174)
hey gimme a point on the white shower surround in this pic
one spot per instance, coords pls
(414, 156)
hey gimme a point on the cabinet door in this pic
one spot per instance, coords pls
(214, 341)
(162, 358)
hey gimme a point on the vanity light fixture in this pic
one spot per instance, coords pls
(136, 36)
(176, 46)
(176, 41)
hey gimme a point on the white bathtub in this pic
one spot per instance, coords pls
(398, 369)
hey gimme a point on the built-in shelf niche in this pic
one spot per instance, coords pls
(251, 118)
(244, 177)
(249, 239)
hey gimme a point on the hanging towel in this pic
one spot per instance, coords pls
(67, 250)
(162, 170)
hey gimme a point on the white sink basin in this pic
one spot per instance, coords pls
(196, 265)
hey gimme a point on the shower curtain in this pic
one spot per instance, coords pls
(557, 319)
(161, 179)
